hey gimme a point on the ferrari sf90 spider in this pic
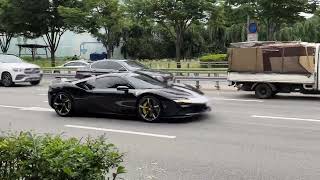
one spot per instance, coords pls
(126, 94)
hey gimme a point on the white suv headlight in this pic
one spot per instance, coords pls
(18, 69)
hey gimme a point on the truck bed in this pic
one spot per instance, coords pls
(272, 78)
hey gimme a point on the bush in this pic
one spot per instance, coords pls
(27, 156)
(213, 58)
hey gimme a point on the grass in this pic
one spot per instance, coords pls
(44, 62)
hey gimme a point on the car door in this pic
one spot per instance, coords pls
(105, 98)
(105, 67)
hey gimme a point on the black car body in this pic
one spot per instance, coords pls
(113, 66)
(126, 94)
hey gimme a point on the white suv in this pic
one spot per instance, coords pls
(15, 70)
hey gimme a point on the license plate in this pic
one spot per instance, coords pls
(34, 76)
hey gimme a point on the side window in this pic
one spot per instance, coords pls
(100, 65)
(107, 65)
(110, 82)
(114, 66)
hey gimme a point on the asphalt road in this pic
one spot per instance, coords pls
(242, 138)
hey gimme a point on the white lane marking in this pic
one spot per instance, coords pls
(240, 100)
(28, 108)
(12, 107)
(45, 101)
(286, 118)
(42, 94)
(42, 89)
(121, 131)
(37, 109)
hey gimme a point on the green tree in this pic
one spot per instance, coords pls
(176, 16)
(7, 30)
(101, 18)
(40, 18)
(18, 17)
(273, 13)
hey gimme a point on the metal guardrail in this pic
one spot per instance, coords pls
(192, 74)
(185, 64)
(197, 79)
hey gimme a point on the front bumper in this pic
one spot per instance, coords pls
(174, 110)
(22, 77)
(193, 109)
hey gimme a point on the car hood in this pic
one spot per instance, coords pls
(23, 65)
(181, 91)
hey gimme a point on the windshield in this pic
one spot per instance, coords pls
(10, 59)
(135, 65)
(145, 82)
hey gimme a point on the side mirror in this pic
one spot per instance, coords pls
(123, 88)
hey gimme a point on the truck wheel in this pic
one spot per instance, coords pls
(263, 91)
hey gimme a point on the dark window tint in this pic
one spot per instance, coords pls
(145, 82)
(100, 65)
(106, 82)
(135, 65)
(114, 65)
(107, 65)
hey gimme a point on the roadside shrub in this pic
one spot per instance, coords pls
(213, 58)
(26, 156)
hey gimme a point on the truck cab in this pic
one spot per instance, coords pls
(268, 68)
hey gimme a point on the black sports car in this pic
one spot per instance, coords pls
(113, 66)
(126, 94)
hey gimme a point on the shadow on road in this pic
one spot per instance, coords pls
(291, 97)
(23, 85)
(198, 118)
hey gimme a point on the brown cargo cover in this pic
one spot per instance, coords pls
(291, 58)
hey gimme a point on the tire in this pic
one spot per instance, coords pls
(34, 83)
(6, 79)
(149, 109)
(263, 91)
(63, 104)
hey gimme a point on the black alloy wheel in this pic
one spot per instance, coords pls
(6, 79)
(263, 91)
(34, 83)
(62, 104)
(149, 109)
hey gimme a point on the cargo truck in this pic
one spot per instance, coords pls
(268, 68)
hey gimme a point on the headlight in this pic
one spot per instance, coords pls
(183, 101)
(18, 69)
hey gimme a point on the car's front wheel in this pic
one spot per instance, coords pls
(63, 104)
(6, 79)
(34, 83)
(149, 109)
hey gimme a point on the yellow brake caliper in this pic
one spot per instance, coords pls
(145, 109)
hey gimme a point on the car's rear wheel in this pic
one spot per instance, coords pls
(63, 104)
(34, 83)
(6, 79)
(149, 109)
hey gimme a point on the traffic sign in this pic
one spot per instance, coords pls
(253, 27)
(252, 32)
